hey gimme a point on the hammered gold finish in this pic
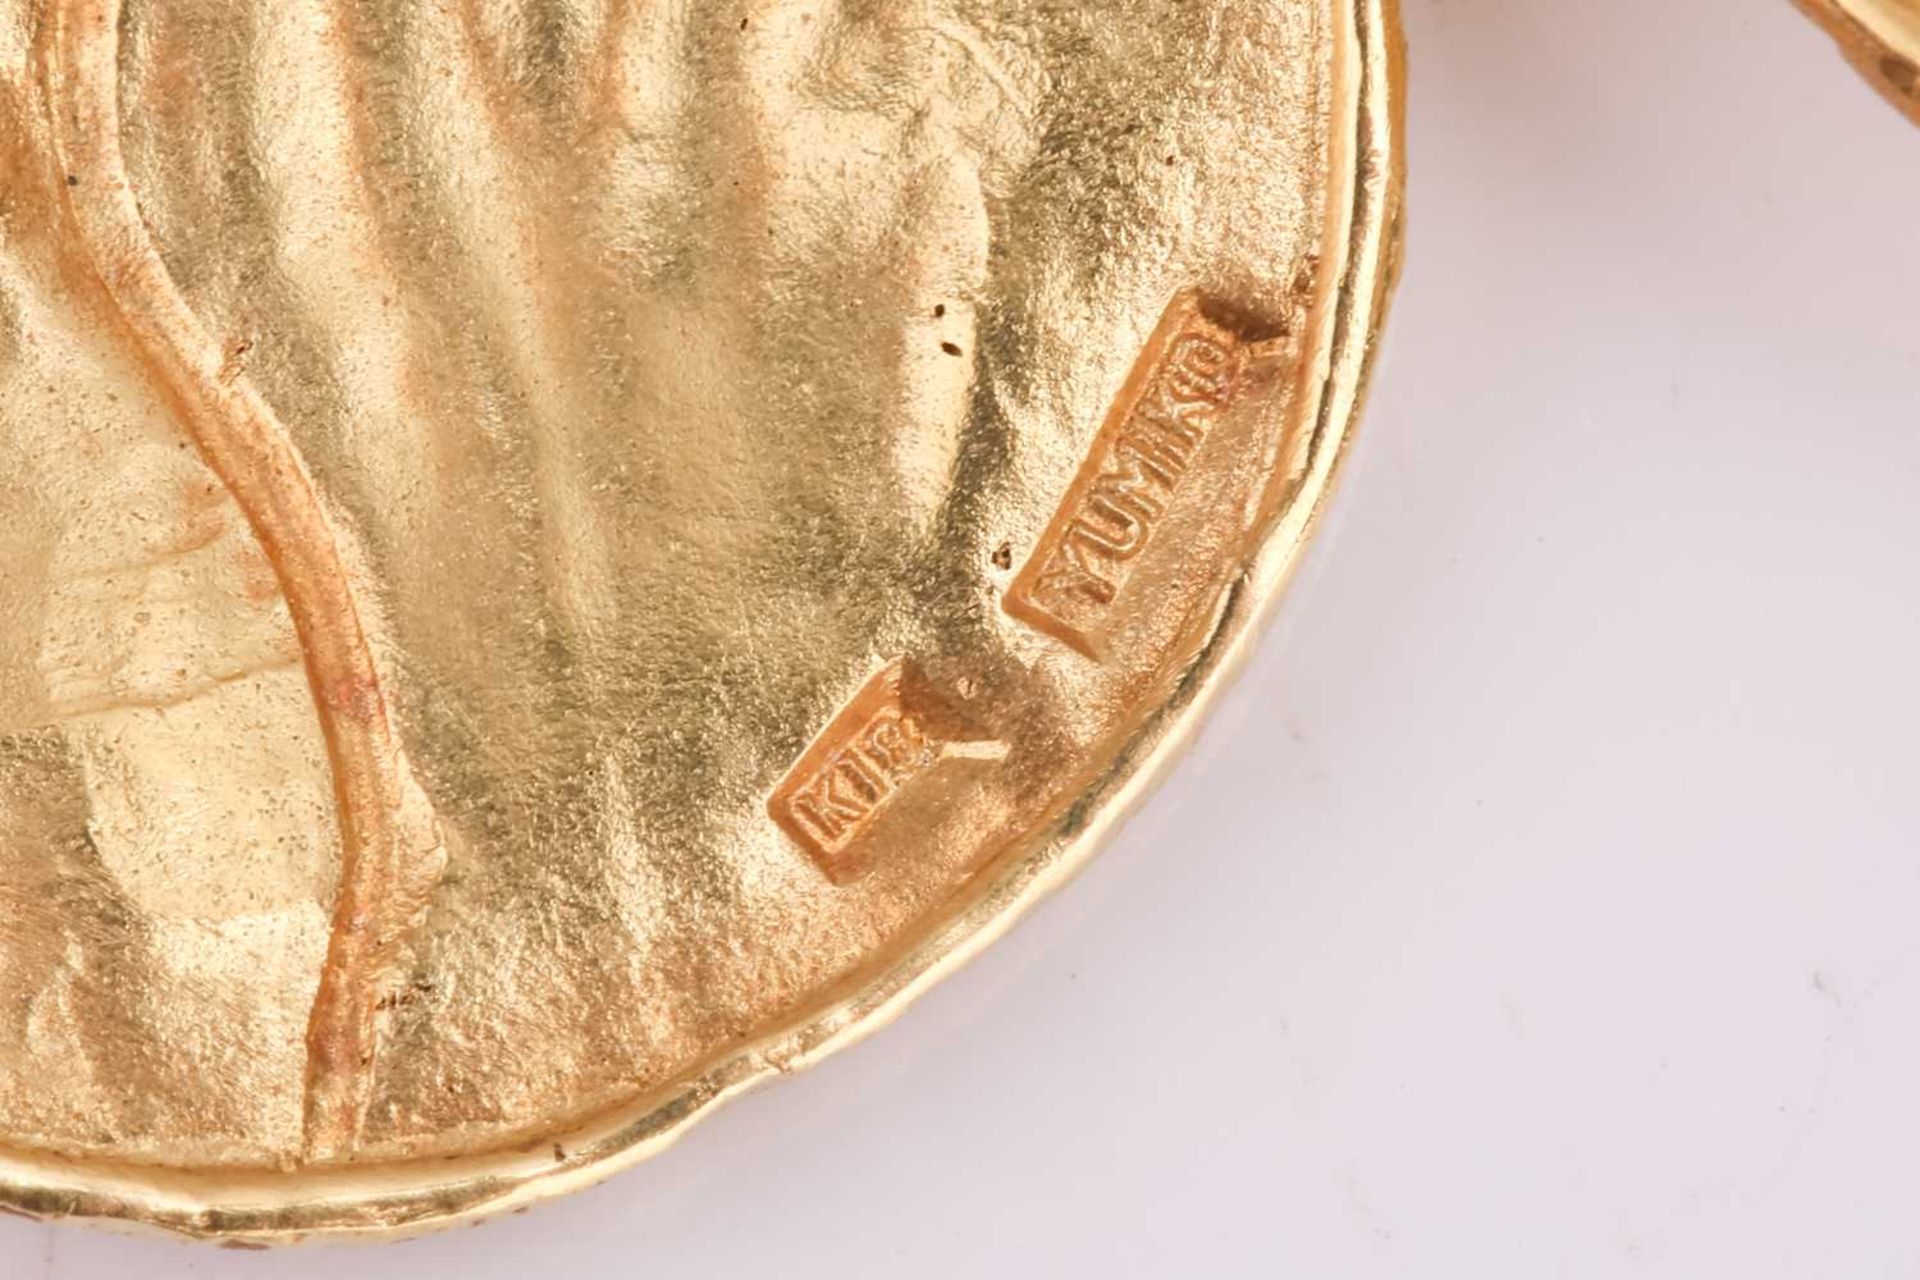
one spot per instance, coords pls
(1882, 39)
(565, 557)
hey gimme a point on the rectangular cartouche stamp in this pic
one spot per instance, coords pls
(877, 744)
(1192, 368)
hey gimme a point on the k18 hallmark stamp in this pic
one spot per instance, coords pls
(887, 737)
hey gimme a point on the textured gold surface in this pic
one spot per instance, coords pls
(562, 558)
(1882, 39)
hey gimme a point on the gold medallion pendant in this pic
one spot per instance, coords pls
(564, 558)
(1882, 39)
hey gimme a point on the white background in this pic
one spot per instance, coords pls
(1545, 898)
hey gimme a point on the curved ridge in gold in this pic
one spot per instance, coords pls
(391, 850)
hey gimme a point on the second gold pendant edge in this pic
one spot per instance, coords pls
(1881, 38)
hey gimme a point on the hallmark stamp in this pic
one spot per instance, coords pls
(887, 736)
(1193, 368)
